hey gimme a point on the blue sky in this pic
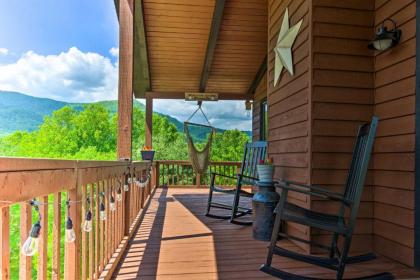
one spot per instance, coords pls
(67, 50)
(52, 26)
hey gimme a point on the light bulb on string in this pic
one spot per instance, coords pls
(126, 182)
(31, 244)
(102, 213)
(119, 195)
(112, 206)
(87, 224)
(70, 233)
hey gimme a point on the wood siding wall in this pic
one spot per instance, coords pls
(339, 84)
(394, 103)
(260, 95)
(342, 98)
(288, 103)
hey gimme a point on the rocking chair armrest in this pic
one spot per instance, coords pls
(312, 190)
(248, 177)
(223, 175)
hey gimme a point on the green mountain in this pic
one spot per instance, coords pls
(23, 112)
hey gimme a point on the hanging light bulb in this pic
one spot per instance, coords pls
(119, 195)
(127, 181)
(112, 206)
(70, 234)
(30, 246)
(87, 224)
(102, 213)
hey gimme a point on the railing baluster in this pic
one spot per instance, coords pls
(101, 229)
(91, 237)
(43, 240)
(71, 263)
(4, 243)
(84, 234)
(25, 263)
(56, 237)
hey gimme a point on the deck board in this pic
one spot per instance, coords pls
(176, 241)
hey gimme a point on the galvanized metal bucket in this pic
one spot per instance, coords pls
(265, 172)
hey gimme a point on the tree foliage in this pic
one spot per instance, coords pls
(91, 134)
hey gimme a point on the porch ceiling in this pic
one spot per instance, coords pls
(199, 46)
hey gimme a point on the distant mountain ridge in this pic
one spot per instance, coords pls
(19, 111)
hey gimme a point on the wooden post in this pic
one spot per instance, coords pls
(4, 243)
(198, 180)
(149, 122)
(125, 82)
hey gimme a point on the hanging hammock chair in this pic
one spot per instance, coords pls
(199, 157)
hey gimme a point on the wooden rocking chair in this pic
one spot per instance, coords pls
(285, 211)
(254, 152)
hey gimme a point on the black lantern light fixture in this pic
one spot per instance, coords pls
(384, 38)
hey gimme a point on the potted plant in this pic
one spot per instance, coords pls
(147, 153)
(265, 170)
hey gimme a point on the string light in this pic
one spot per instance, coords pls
(87, 223)
(70, 234)
(112, 206)
(119, 194)
(30, 246)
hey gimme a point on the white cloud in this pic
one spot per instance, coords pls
(75, 76)
(221, 114)
(4, 51)
(72, 76)
(114, 51)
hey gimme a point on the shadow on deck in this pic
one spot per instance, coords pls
(176, 241)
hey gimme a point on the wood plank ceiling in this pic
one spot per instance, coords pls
(178, 36)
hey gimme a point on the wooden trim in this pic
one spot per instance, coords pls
(417, 147)
(149, 122)
(181, 95)
(258, 77)
(141, 67)
(125, 81)
(211, 45)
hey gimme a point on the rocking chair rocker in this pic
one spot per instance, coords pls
(285, 211)
(254, 152)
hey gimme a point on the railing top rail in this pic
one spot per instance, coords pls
(22, 179)
(186, 162)
(15, 164)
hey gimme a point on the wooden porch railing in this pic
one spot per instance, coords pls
(180, 173)
(85, 185)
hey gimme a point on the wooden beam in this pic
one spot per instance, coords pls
(211, 45)
(141, 58)
(258, 77)
(125, 82)
(149, 122)
(181, 95)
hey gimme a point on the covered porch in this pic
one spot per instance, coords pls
(224, 48)
(175, 240)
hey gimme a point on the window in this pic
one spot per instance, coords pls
(264, 120)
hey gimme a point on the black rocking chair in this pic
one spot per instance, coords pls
(254, 152)
(285, 211)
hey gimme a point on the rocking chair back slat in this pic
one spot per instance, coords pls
(253, 153)
(360, 161)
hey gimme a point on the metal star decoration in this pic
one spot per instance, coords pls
(283, 49)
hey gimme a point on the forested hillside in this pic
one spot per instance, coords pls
(90, 133)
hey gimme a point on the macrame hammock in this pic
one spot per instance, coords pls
(199, 157)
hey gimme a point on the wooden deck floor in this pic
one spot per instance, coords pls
(176, 241)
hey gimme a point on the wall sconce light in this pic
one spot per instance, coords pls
(385, 39)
